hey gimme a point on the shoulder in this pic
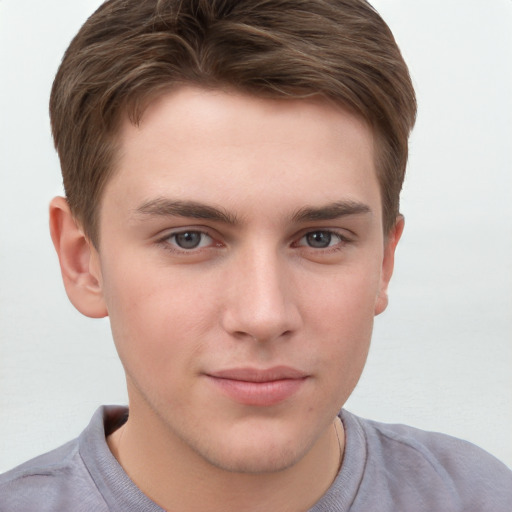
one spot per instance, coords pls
(433, 468)
(57, 480)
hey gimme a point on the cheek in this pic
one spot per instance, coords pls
(156, 343)
(341, 322)
(155, 318)
(344, 300)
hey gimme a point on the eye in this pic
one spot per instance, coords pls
(189, 240)
(321, 239)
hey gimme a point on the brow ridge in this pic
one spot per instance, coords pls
(196, 210)
(330, 211)
(191, 209)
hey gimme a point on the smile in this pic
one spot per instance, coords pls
(263, 388)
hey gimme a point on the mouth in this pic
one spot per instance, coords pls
(259, 387)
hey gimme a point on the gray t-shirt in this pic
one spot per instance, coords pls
(386, 468)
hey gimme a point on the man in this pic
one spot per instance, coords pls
(232, 175)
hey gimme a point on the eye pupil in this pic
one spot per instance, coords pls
(319, 239)
(188, 239)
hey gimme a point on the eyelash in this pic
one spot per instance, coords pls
(168, 244)
(342, 240)
(174, 247)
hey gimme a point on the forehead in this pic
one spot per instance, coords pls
(230, 148)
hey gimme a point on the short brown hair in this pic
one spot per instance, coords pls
(130, 50)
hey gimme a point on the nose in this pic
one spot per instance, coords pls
(261, 297)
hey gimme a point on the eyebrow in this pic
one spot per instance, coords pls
(191, 209)
(331, 211)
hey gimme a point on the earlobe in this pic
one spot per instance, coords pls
(388, 263)
(78, 261)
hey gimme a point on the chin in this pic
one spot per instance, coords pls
(254, 460)
(255, 450)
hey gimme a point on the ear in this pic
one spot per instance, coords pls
(388, 263)
(79, 261)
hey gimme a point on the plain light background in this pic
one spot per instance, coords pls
(442, 353)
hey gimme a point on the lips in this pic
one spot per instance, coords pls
(258, 387)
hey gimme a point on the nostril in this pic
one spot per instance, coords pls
(261, 338)
(243, 335)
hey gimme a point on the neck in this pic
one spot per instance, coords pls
(178, 479)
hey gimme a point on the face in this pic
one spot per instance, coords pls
(242, 260)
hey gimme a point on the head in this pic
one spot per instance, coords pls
(232, 171)
(129, 53)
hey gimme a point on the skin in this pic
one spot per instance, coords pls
(236, 233)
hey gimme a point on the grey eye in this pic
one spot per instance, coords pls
(188, 239)
(319, 239)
